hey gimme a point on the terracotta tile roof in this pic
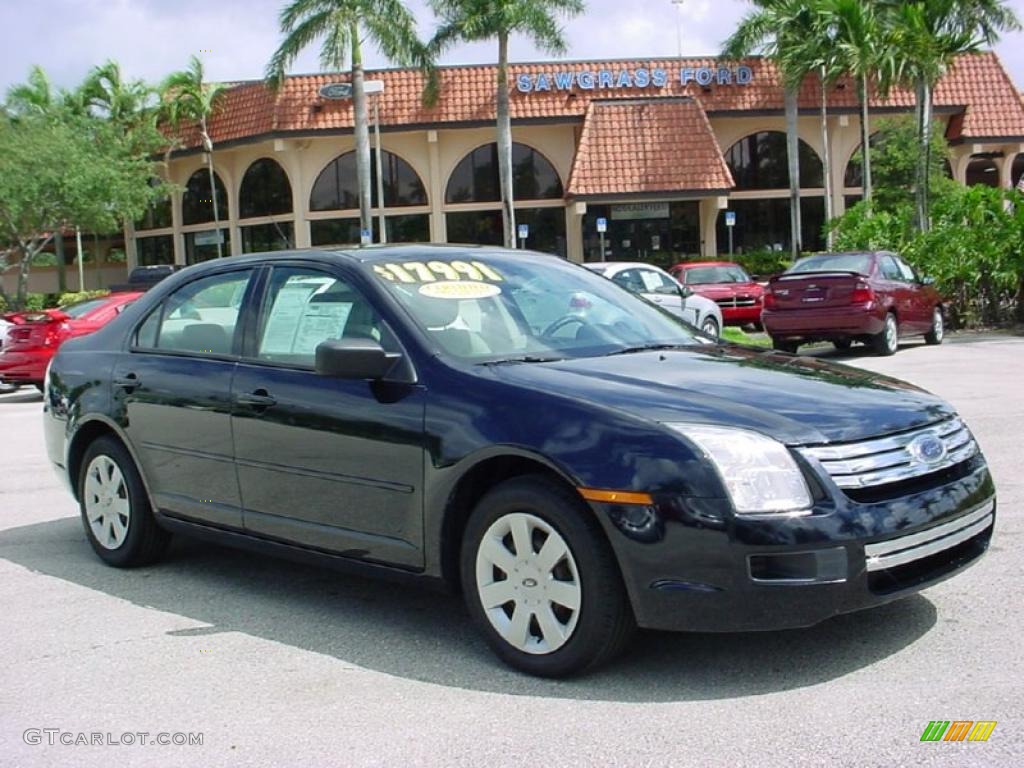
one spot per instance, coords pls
(976, 83)
(645, 147)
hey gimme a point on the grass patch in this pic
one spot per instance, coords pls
(739, 336)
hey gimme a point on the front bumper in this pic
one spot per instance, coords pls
(741, 315)
(690, 565)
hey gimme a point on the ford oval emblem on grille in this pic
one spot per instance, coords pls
(927, 448)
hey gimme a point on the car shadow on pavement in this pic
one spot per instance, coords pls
(419, 634)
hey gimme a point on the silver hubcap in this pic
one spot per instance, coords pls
(710, 328)
(106, 502)
(891, 333)
(528, 583)
(937, 327)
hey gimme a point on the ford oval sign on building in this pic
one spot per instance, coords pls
(336, 91)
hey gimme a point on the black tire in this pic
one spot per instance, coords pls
(785, 346)
(145, 542)
(887, 342)
(710, 327)
(605, 621)
(938, 330)
(842, 344)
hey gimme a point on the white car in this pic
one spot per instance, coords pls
(657, 285)
(4, 325)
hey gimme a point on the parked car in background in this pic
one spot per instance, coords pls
(728, 285)
(873, 298)
(657, 285)
(35, 335)
(4, 325)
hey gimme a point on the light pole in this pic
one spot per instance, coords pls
(679, 25)
(376, 87)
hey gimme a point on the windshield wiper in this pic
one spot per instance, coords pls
(647, 348)
(523, 359)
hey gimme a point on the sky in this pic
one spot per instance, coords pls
(235, 38)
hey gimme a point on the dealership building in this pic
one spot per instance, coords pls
(665, 152)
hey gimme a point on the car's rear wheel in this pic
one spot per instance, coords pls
(842, 344)
(938, 329)
(540, 579)
(785, 346)
(116, 513)
(888, 341)
(710, 327)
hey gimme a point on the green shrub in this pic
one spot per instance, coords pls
(762, 263)
(73, 297)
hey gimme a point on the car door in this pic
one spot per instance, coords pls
(899, 291)
(173, 390)
(922, 297)
(324, 462)
(665, 292)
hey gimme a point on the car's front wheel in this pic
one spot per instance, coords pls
(710, 327)
(116, 513)
(540, 579)
(938, 329)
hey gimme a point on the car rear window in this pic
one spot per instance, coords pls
(83, 307)
(721, 274)
(838, 262)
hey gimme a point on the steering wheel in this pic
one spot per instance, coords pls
(560, 323)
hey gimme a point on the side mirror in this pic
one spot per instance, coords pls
(684, 292)
(354, 359)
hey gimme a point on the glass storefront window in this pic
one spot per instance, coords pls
(764, 225)
(759, 161)
(196, 205)
(546, 228)
(657, 233)
(265, 190)
(158, 249)
(202, 246)
(158, 214)
(475, 178)
(410, 228)
(275, 236)
(337, 186)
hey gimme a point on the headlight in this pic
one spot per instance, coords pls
(759, 473)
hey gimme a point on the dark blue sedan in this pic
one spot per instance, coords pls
(576, 460)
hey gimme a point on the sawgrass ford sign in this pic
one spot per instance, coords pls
(631, 79)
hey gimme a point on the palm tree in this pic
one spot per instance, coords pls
(778, 29)
(195, 101)
(343, 26)
(478, 20)
(928, 35)
(127, 104)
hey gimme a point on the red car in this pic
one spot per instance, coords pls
(35, 335)
(726, 284)
(874, 298)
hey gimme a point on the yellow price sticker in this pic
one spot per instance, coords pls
(411, 272)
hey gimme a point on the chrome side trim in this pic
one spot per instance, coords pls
(906, 549)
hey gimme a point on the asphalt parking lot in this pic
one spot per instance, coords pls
(280, 664)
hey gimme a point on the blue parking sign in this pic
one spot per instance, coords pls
(602, 224)
(730, 218)
(524, 231)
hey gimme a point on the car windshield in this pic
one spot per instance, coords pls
(718, 274)
(834, 262)
(83, 307)
(491, 307)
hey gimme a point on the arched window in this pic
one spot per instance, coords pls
(1017, 171)
(158, 214)
(759, 161)
(265, 190)
(196, 205)
(475, 178)
(337, 186)
(984, 171)
(854, 176)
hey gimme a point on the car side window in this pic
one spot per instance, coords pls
(656, 282)
(630, 280)
(200, 317)
(305, 307)
(890, 269)
(907, 271)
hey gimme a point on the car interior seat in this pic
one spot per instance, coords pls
(204, 337)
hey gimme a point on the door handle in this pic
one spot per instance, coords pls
(128, 381)
(258, 399)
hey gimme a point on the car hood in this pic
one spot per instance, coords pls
(796, 400)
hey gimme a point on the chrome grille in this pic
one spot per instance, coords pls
(893, 459)
(736, 301)
(916, 546)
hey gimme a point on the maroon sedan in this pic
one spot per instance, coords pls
(874, 298)
(726, 284)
